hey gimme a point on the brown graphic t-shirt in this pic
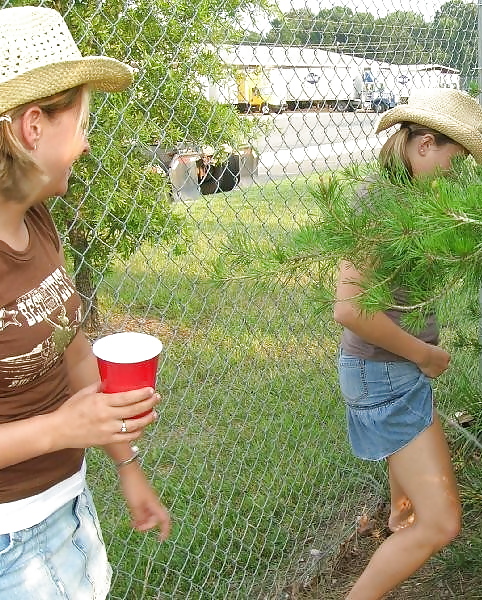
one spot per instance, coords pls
(40, 314)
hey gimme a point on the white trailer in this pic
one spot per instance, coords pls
(319, 86)
(293, 76)
(225, 92)
(315, 77)
(401, 80)
(302, 77)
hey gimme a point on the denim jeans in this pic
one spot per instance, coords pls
(61, 558)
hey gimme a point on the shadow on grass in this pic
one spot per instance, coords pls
(250, 451)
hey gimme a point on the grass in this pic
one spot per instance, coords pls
(456, 571)
(250, 452)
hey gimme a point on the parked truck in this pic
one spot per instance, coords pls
(382, 101)
(268, 78)
(258, 90)
(249, 89)
(393, 84)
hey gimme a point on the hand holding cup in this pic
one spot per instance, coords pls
(127, 361)
(91, 418)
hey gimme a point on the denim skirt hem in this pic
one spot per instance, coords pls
(388, 404)
(61, 558)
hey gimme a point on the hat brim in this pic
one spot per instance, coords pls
(450, 127)
(98, 72)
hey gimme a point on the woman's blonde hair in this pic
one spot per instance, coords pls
(393, 155)
(18, 168)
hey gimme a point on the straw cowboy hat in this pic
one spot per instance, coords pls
(39, 58)
(451, 112)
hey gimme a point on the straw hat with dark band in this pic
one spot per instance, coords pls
(451, 112)
(39, 58)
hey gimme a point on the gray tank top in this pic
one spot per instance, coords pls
(354, 345)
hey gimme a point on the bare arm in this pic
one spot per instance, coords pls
(86, 419)
(25, 439)
(83, 372)
(146, 510)
(380, 330)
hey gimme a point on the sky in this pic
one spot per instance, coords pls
(378, 8)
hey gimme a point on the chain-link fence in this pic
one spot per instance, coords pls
(236, 109)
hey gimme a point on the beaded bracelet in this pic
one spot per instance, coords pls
(128, 461)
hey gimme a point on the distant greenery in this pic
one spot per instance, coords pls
(400, 37)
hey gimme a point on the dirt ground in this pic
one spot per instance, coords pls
(354, 554)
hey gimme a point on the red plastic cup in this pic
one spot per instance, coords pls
(127, 361)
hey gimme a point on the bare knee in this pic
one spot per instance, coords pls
(444, 529)
(450, 529)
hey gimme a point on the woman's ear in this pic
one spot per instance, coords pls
(31, 127)
(425, 143)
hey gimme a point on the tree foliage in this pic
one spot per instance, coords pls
(454, 33)
(418, 240)
(400, 37)
(116, 200)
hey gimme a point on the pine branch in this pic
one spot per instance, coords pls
(423, 236)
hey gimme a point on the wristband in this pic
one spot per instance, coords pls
(128, 461)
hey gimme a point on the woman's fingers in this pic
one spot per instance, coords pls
(134, 425)
(135, 403)
(90, 418)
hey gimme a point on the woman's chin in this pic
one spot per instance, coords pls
(59, 190)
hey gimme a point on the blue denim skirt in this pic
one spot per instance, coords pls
(61, 558)
(387, 404)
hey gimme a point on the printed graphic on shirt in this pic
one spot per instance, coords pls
(36, 305)
(64, 331)
(8, 317)
(45, 303)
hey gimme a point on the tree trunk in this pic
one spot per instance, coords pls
(84, 280)
(88, 294)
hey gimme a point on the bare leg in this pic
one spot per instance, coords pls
(424, 471)
(401, 509)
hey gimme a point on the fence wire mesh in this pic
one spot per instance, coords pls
(236, 109)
